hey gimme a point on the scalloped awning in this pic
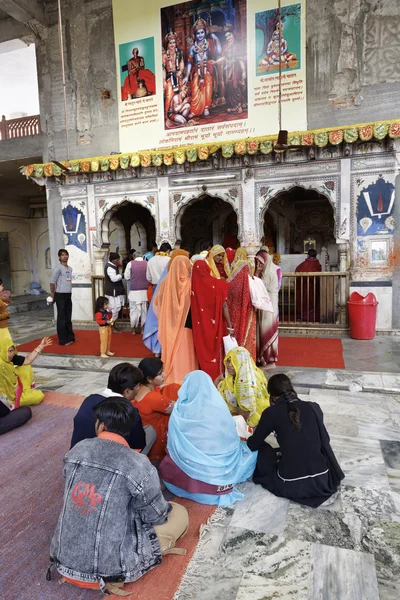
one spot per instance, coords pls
(264, 145)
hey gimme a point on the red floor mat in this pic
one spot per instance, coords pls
(124, 345)
(320, 353)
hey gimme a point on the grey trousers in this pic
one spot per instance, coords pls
(151, 436)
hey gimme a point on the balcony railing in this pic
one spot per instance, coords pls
(314, 299)
(18, 128)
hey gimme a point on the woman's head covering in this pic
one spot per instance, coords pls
(230, 255)
(248, 388)
(202, 437)
(265, 258)
(172, 304)
(215, 250)
(175, 253)
(8, 375)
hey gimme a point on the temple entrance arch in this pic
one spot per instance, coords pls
(128, 225)
(298, 219)
(206, 218)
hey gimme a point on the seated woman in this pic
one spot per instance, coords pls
(10, 417)
(16, 379)
(304, 469)
(244, 387)
(205, 456)
(155, 403)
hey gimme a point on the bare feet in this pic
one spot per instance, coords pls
(133, 331)
(104, 356)
(270, 365)
(69, 343)
(109, 353)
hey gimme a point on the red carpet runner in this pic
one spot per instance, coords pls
(322, 353)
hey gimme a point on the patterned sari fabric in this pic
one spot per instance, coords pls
(241, 310)
(209, 326)
(267, 322)
(218, 270)
(247, 389)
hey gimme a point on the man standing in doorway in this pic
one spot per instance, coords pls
(61, 292)
(156, 266)
(113, 286)
(308, 289)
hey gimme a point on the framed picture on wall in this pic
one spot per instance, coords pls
(378, 251)
(309, 245)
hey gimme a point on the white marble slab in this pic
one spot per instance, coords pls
(361, 461)
(260, 510)
(391, 383)
(377, 431)
(340, 574)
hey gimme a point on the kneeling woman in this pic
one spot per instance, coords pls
(16, 373)
(205, 456)
(155, 403)
(304, 469)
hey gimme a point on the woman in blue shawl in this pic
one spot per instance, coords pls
(206, 457)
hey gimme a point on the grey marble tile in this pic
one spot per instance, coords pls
(391, 383)
(260, 510)
(339, 424)
(361, 461)
(342, 574)
(361, 398)
(391, 453)
(377, 431)
(383, 542)
(319, 526)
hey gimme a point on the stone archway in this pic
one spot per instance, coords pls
(124, 218)
(206, 218)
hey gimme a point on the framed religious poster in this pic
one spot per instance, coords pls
(378, 251)
(309, 244)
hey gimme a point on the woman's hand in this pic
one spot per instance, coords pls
(219, 379)
(46, 341)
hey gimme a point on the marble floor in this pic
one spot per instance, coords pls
(268, 548)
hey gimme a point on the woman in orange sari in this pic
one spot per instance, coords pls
(241, 309)
(172, 305)
(155, 402)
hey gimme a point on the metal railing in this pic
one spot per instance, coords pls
(18, 128)
(310, 299)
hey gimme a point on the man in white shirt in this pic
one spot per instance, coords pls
(156, 266)
(113, 285)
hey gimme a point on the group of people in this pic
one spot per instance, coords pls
(197, 431)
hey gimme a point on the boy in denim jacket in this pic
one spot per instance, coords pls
(105, 533)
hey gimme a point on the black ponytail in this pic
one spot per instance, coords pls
(280, 386)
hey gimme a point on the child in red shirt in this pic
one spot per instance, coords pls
(104, 320)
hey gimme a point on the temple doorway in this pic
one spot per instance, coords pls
(297, 220)
(206, 218)
(127, 226)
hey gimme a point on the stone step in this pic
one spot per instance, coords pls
(22, 304)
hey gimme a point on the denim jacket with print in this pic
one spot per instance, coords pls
(112, 498)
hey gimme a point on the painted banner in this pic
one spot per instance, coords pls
(206, 70)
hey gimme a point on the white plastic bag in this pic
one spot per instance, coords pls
(259, 296)
(243, 430)
(229, 343)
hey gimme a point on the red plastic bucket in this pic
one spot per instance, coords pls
(362, 316)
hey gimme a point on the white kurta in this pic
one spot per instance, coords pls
(115, 302)
(137, 301)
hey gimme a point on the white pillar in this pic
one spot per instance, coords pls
(164, 227)
(343, 227)
(249, 217)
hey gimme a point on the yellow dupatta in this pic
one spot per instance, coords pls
(240, 256)
(248, 389)
(211, 262)
(8, 374)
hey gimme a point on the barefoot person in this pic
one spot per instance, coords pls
(114, 287)
(61, 292)
(16, 373)
(114, 525)
(104, 320)
(267, 322)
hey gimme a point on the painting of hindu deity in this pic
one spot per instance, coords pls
(204, 62)
(74, 226)
(375, 207)
(272, 34)
(137, 69)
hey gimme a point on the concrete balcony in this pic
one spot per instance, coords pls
(20, 138)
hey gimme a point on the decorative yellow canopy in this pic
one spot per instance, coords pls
(146, 158)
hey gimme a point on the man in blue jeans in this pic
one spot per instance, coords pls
(61, 292)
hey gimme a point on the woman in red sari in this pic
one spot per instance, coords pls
(241, 310)
(210, 316)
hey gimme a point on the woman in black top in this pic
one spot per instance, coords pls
(304, 468)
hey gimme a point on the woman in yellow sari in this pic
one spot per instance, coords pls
(16, 373)
(218, 262)
(244, 387)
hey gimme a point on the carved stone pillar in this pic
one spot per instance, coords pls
(98, 255)
(396, 245)
(343, 287)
